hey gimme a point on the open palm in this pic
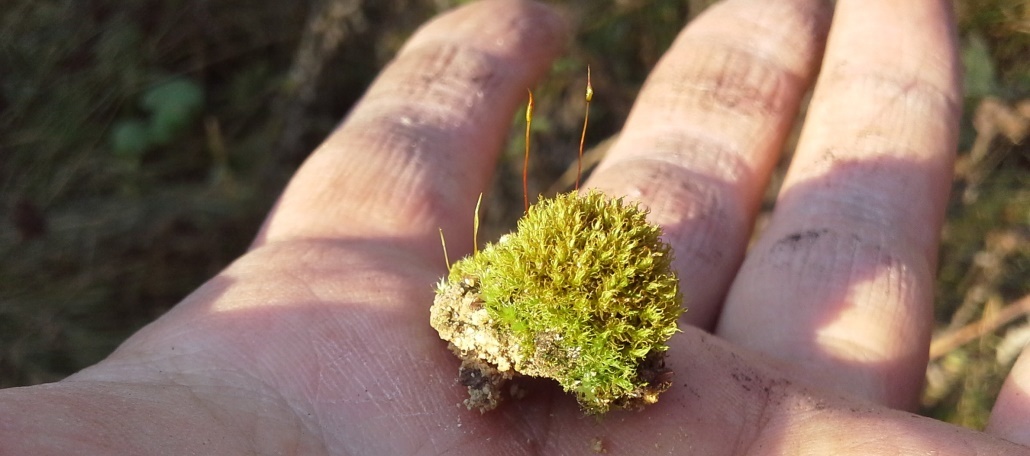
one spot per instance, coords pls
(317, 341)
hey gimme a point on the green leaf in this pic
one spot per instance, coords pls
(175, 94)
(980, 75)
(174, 105)
(130, 138)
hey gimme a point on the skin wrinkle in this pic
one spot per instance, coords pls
(741, 72)
(432, 114)
(800, 410)
(765, 71)
(246, 428)
(451, 98)
(895, 85)
(206, 398)
(787, 32)
(888, 101)
(536, 427)
(883, 439)
(772, 419)
(673, 146)
(769, 394)
(309, 254)
(726, 83)
(706, 168)
(702, 205)
(392, 394)
(168, 362)
(536, 421)
(879, 135)
(871, 215)
(259, 380)
(381, 393)
(895, 353)
(298, 404)
(672, 206)
(817, 266)
(551, 436)
(748, 86)
(317, 397)
(880, 205)
(850, 260)
(449, 75)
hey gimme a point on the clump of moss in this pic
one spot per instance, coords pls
(582, 293)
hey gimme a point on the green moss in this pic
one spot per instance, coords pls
(582, 292)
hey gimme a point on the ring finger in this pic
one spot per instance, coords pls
(839, 286)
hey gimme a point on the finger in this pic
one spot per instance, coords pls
(1012, 410)
(840, 284)
(707, 129)
(419, 146)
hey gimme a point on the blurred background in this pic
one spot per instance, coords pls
(142, 142)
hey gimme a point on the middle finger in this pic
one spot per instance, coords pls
(707, 129)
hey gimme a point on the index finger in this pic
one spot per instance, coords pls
(419, 146)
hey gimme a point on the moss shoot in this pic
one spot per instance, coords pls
(582, 293)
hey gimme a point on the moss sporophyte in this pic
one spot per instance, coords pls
(582, 293)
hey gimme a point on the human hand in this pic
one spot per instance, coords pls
(317, 340)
